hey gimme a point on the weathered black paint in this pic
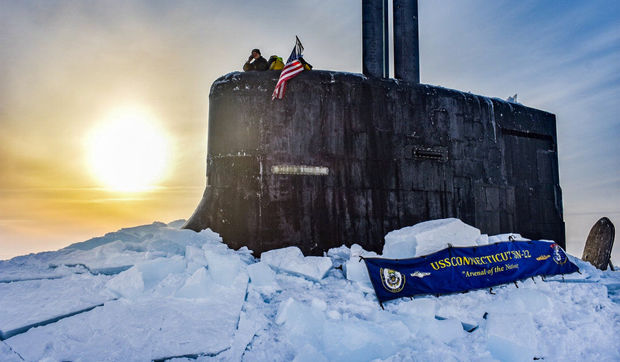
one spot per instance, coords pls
(398, 154)
(375, 43)
(406, 43)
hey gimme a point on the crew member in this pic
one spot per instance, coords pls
(255, 62)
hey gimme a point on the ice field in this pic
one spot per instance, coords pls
(156, 292)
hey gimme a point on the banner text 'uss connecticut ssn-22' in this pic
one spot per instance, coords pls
(457, 269)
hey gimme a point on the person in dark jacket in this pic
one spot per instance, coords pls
(255, 62)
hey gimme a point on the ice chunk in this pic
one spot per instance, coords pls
(342, 339)
(309, 354)
(355, 269)
(361, 340)
(303, 323)
(140, 330)
(145, 276)
(128, 284)
(521, 300)
(286, 310)
(506, 237)
(7, 354)
(357, 251)
(421, 307)
(199, 285)
(428, 237)
(154, 271)
(445, 330)
(318, 304)
(483, 239)
(30, 303)
(122, 249)
(249, 325)
(511, 336)
(223, 269)
(261, 275)
(292, 261)
(195, 258)
(339, 255)
(177, 224)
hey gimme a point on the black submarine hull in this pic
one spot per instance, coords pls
(345, 159)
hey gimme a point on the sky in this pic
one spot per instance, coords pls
(67, 67)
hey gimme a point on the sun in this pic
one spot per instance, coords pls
(127, 151)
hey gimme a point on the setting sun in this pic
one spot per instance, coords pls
(127, 152)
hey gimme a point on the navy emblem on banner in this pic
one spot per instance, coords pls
(392, 280)
(558, 254)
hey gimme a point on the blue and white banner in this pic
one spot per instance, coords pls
(458, 269)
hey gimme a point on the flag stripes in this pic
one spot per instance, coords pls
(290, 70)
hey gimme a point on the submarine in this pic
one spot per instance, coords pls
(346, 158)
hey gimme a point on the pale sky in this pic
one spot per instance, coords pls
(66, 65)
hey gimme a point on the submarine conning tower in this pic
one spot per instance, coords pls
(346, 158)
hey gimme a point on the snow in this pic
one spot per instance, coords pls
(170, 293)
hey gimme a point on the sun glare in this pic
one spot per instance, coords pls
(127, 152)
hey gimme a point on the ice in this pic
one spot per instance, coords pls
(136, 331)
(339, 255)
(444, 330)
(7, 354)
(223, 269)
(35, 266)
(31, 302)
(127, 284)
(262, 276)
(421, 307)
(154, 271)
(303, 323)
(512, 336)
(355, 269)
(195, 258)
(291, 260)
(350, 339)
(483, 240)
(361, 340)
(145, 276)
(506, 237)
(187, 294)
(428, 237)
(122, 249)
(250, 323)
(522, 300)
(195, 255)
(199, 285)
(309, 354)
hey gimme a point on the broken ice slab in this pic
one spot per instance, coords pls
(34, 267)
(144, 329)
(467, 327)
(32, 303)
(291, 260)
(428, 237)
(511, 336)
(7, 354)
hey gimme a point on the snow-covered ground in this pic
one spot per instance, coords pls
(157, 292)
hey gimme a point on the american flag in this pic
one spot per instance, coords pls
(291, 69)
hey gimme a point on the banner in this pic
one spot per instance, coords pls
(458, 269)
